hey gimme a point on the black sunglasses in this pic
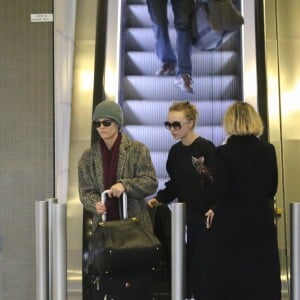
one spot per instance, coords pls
(176, 125)
(105, 123)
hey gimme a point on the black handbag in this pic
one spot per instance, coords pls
(123, 245)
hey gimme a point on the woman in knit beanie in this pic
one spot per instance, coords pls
(109, 110)
(118, 164)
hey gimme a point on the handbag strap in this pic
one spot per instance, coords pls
(124, 204)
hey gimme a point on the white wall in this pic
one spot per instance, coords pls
(64, 38)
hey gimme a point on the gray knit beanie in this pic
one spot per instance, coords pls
(109, 109)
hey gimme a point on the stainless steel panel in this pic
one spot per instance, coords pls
(283, 69)
(26, 135)
(59, 252)
(295, 250)
(80, 134)
(178, 251)
(41, 251)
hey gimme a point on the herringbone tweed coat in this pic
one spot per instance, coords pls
(135, 171)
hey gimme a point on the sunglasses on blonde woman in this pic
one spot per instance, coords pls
(176, 125)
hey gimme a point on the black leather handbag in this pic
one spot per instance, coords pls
(123, 245)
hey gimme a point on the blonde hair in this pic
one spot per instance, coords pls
(242, 119)
(189, 110)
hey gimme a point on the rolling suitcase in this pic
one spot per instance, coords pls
(126, 286)
(123, 254)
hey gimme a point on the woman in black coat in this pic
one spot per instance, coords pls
(194, 173)
(249, 264)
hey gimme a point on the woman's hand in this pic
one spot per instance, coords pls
(153, 203)
(116, 190)
(100, 208)
(209, 218)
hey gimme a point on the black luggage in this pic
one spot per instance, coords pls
(126, 286)
(122, 257)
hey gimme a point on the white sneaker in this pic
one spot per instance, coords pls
(185, 83)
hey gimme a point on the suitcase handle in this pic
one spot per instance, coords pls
(124, 200)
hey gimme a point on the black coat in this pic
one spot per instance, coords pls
(247, 264)
(200, 194)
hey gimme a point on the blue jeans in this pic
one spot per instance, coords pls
(182, 10)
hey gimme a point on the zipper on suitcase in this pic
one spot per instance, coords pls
(97, 282)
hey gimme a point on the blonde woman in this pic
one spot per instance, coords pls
(250, 261)
(192, 168)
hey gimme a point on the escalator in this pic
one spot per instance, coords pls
(145, 98)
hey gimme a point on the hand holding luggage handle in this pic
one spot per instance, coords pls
(120, 245)
(124, 202)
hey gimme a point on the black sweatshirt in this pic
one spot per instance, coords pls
(200, 192)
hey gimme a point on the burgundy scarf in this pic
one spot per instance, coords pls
(110, 163)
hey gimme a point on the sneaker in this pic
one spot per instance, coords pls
(166, 69)
(185, 83)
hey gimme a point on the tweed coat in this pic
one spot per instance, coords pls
(135, 171)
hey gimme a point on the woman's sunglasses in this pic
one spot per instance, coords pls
(176, 125)
(105, 123)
